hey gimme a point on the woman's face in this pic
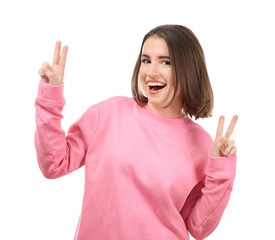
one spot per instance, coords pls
(157, 78)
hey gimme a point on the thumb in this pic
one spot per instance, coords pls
(46, 73)
(44, 78)
(223, 145)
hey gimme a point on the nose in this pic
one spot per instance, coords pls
(153, 70)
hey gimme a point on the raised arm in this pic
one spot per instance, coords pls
(208, 200)
(58, 154)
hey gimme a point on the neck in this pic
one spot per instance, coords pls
(170, 112)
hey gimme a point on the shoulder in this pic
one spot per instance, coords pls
(198, 129)
(199, 135)
(118, 107)
(199, 146)
(116, 102)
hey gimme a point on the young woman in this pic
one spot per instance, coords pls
(151, 172)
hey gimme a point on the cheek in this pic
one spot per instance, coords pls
(170, 78)
(141, 73)
(141, 79)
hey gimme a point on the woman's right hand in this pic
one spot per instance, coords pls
(54, 74)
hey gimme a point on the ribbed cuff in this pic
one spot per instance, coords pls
(52, 93)
(221, 167)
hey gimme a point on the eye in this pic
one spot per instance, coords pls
(145, 60)
(166, 62)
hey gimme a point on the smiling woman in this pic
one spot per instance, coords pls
(157, 78)
(151, 171)
(177, 47)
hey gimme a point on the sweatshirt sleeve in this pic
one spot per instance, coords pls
(58, 154)
(207, 201)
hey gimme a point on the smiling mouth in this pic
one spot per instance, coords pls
(155, 86)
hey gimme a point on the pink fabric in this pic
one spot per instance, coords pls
(146, 176)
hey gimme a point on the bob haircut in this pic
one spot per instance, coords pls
(190, 73)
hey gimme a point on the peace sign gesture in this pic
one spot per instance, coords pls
(223, 146)
(54, 74)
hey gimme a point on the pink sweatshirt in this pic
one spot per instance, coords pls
(147, 176)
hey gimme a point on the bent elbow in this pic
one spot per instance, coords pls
(203, 230)
(50, 171)
(48, 175)
(198, 235)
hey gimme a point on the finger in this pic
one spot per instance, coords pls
(45, 67)
(46, 72)
(233, 152)
(231, 127)
(49, 74)
(56, 54)
(63, 57)
(220, 128)
(44, 78)
(229, 147)
(41, 73)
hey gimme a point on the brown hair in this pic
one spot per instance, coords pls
(188, 61)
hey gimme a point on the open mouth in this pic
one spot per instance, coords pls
(155, 86)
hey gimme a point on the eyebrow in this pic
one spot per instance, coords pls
(161, 57)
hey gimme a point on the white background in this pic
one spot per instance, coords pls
(104, 38)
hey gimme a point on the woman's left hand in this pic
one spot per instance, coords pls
(223, 146)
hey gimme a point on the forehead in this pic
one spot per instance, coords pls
(155, 45)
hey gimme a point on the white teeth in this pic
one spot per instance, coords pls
(155, 84)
